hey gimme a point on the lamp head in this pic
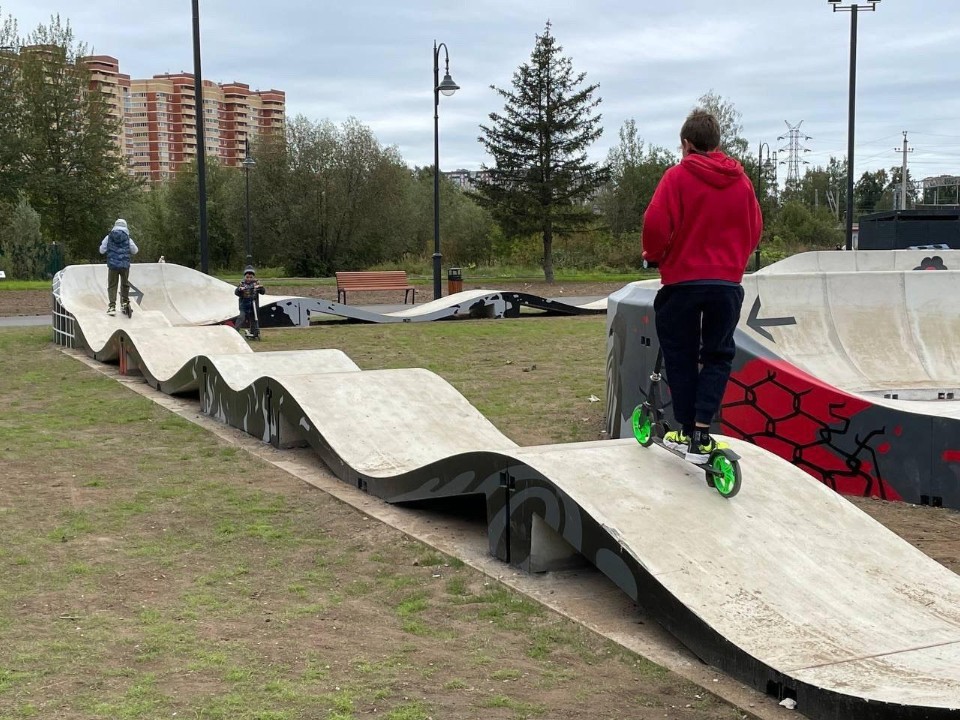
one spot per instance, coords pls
(447, 86)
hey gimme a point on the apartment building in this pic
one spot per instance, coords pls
(466, 179)
(161, 122)
(158, 117)
(106, 77)
(246, 115)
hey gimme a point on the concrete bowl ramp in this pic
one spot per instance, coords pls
(787, 587)
(866, 260)
(182, 295)
(852, 375)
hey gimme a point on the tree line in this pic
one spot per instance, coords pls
(327, 197)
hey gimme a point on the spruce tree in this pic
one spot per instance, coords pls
(541, 180)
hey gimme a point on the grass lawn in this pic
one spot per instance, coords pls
(149, 569)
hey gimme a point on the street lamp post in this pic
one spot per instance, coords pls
(201, 142)
(248, 164)
(760, 193)
(447, 87)
(854, 10)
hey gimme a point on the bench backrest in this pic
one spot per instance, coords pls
(386, 278)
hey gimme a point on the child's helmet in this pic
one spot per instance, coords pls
(249, 269)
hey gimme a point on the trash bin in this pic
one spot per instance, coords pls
(454, 280)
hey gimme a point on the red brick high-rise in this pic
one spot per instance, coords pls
(158, 117)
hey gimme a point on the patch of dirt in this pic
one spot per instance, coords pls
(15, 303)
(934, 531)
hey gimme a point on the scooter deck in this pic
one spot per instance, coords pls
(683, 456)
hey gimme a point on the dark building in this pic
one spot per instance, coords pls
(902, 229)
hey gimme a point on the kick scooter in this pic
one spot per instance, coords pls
(649, 426)
(256, 317)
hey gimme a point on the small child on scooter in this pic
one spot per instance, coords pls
(247, 291)
(701, 226)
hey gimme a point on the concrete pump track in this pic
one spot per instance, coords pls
(787, 587)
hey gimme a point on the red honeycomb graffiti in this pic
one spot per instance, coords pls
(800, 418)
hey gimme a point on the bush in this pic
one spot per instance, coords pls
(25, 253)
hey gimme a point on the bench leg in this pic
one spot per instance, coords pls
(342, 293)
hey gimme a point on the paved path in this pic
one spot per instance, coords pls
(26, 320)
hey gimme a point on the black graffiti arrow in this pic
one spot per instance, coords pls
(136, 293)
(758, 325)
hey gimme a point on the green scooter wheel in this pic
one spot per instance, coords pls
(642, 425)
(725, 475)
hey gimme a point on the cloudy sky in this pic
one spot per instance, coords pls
(777, 60)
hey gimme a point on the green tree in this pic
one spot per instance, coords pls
(174, 229)
(11, 138)
(71, 167)
(24, 252)
(541, 180)
(798, 228)
(732, 141)
(868, 191)
(468, 229)
(822, 187)
(635, 170)
(327, 197)
(891, 194)
(348, 209)
(149, 219)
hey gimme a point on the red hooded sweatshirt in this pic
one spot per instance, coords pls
(703, 221)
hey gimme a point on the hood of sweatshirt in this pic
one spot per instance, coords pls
(715, 168)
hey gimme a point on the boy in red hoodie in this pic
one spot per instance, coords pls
(701, 226)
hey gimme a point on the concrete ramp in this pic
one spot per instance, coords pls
(865, 260)
(787, 587)
(861, 331)
(184, 296)
(292, 312)
(852, 375)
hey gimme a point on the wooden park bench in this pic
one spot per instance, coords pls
(383, 280)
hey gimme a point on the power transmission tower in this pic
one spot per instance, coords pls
(795, 151)
(903, 171)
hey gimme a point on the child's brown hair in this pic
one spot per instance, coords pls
(701, 130)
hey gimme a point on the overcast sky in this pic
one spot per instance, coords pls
(775, 60)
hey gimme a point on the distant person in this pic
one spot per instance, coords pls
(118, 246)
(247, 291)
(162, 259)
(701, 227)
